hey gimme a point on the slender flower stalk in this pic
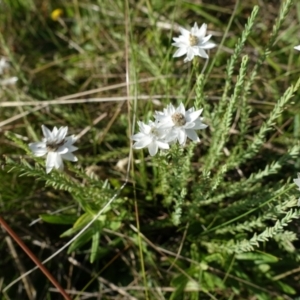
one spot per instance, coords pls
(57, 147)
(193, 43)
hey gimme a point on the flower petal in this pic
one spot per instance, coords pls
(152, 148)
(72, 148)
(51, 161)
(62, 149)
(190, 54)
(297, 48)
(59, 165)
(142, 143)
(179, 52)
(181, 137)
(204, 40)
(38, 148)
(138, 136)
(46, 132)
(199, 125)
(202, 53)
(184, 32)
(162, 145)
(171, 135)
(144, 128)
(192, 135)
(194, 29)
(188, 125)
(208, 45)
(181, 41)
(62, 132)
(69, 157)
(70, 139)
(192, 116)
(166, 123)
(202, 31)
(54, 132)
(180, 109)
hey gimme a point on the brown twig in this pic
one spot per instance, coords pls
(34, 258)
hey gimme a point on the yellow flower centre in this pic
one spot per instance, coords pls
(178, 119)
(193, 40)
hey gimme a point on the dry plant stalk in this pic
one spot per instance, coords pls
(33, 258)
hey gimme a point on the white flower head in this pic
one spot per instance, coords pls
(57, 147)
(150, 136)
(181, 123)
(297, 48)
(193, 43)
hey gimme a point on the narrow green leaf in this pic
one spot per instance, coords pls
(83, 220)
(58, 219)
(95, 245)
(81, 240)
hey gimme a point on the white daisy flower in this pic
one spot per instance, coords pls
(297, 48)
(181, 123)
(193, 43)
(150, 136)
(57, 147)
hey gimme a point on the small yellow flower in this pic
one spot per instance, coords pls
(56, 14)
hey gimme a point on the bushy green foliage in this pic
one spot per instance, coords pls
(209, 220)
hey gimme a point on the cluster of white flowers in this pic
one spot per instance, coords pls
(170, 125)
